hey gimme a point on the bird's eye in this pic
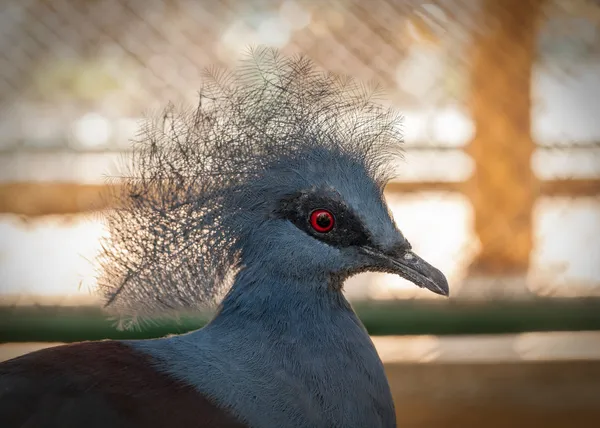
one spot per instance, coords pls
(322, 220)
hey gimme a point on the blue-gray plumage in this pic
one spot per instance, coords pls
(267, 198)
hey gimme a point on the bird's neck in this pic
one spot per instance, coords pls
(255, 297)
(275, 310)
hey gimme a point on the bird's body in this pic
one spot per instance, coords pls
(280, 202)
(322, 373)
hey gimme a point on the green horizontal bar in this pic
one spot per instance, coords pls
(71, 324)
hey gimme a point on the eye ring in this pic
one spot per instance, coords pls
(322, 220)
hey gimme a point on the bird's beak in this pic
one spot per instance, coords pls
(412, 268)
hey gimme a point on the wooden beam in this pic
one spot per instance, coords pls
(503, 188)
(424, 186)
(569, 188)
(38, 199)
(575, 188)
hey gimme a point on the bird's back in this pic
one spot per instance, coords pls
(99, 384)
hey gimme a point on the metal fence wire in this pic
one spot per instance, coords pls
(502, 174)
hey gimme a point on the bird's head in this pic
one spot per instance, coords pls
(321, 215)
(280, 169)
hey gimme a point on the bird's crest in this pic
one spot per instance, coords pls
(174, 232)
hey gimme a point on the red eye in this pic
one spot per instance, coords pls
(322, 221)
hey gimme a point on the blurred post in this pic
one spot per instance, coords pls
(503, 188)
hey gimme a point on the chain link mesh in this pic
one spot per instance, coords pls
(485, 191)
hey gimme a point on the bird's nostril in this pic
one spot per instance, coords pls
(400, 247)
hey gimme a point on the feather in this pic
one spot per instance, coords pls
(175, 232)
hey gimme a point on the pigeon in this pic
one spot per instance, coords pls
(259, 202)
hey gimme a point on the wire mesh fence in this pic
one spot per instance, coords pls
(502, 173)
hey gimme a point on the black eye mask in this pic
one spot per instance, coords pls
(347, 230)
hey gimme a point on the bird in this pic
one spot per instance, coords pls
(258, 201)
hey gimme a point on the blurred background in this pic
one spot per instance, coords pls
(500, 186)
